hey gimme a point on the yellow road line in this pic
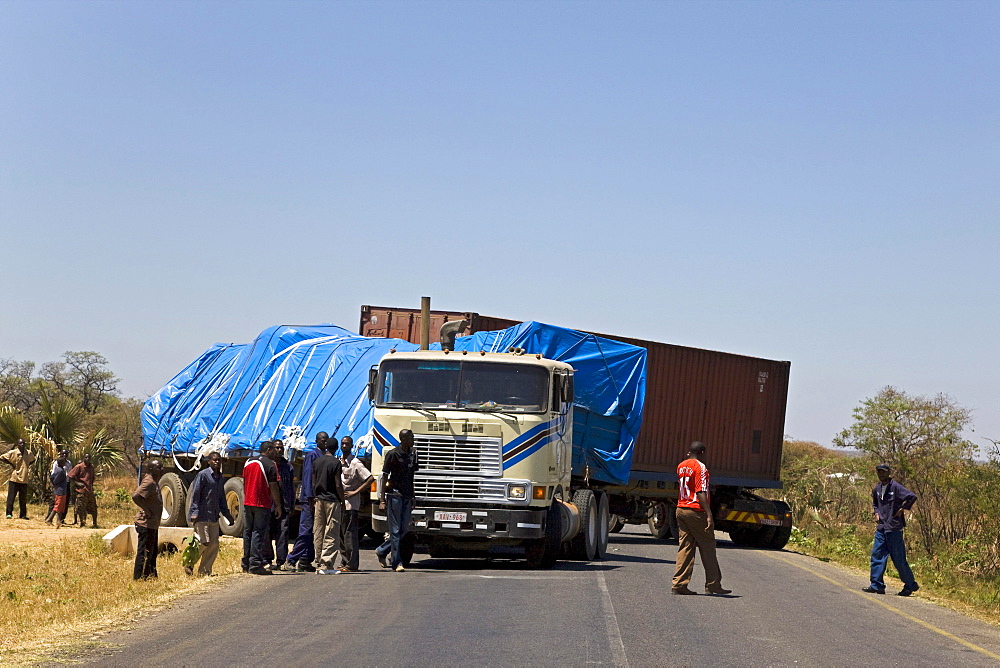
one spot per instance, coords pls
(875, 599)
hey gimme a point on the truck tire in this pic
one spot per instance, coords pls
(662, 521)
(603, 522)
(781, 534)
(544, 553)
(233, 490)
(174, 496)
(583, 546)
(615, 524)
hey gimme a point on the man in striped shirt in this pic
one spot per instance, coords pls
(695, 524)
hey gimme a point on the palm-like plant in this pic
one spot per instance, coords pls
(104, 452)
(12, 425)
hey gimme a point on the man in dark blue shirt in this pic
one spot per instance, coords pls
(889, 502)
(208, 502)
(303, 552)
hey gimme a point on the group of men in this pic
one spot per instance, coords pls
(62, 475)
(696, 528)
(332, 481)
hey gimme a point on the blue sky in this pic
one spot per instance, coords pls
(814, 182)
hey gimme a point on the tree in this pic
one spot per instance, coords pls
(921, 439)
(83, 376)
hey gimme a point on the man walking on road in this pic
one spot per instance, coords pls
(261, 501)
(147, 521)
(328, 509)
(356, 479)
(83, 475)
(696, 526)
(303, 551)
(889, 501)
(395, 493)
(19, 459)
(208, 502)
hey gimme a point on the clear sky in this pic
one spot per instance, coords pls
(808, 181)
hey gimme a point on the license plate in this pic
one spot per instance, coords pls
(442, 516)
(774, 523)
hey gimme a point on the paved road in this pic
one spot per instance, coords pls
(786, 609)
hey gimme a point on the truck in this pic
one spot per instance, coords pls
(733, 403)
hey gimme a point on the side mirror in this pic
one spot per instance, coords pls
(372, 383)
(568, 389)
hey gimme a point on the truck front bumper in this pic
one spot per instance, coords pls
(517, 523)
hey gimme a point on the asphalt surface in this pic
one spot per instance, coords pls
(786, 609)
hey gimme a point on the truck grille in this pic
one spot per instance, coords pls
(462, 455)
(433, 488)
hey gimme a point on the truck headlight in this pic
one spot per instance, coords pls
(517, 492)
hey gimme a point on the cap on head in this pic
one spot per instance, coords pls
(883, 467)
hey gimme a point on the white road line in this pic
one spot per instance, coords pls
(615, 643)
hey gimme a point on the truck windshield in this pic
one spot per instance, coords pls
(482, 386)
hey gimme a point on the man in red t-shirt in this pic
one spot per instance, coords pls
(261, 499)
(696, 526)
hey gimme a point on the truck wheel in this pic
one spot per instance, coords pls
(661, 525)
(544, 553)
(234, 501)
(603, 520)
(781, 534)
(615, 524)
(174, 496)
(583, 546)
(406, 547)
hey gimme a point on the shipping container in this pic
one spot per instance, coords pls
(735, 404)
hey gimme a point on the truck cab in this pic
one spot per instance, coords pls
(493, 437)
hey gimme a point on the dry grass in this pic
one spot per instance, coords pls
(68, 586)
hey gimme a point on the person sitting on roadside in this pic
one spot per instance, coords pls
(147, 521)
(20, 460)
(208, 502)
(86, 503)
(60, 488)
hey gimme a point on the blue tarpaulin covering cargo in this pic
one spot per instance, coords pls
(293, 382)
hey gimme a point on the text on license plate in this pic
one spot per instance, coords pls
(774, 523)
(442, 516)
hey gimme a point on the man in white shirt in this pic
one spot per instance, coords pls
(356, 479)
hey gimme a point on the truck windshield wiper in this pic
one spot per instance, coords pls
(404, 404)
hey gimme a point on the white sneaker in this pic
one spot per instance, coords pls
(400, 569)
(328, 571)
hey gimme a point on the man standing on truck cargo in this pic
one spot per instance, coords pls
(696, 526)
(261, 501)
(395, 496)
(889, 502)
(303, 552)
(147, 521)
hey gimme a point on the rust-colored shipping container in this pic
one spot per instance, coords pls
(733, 403)
(404, 323)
